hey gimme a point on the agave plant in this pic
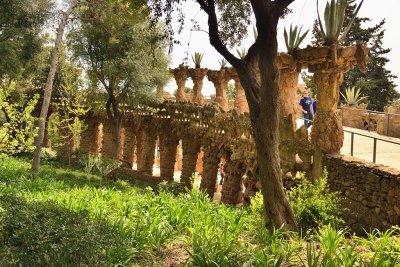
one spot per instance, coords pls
(353, 96)
(197, 58)
(334, 18)
(294, 39)
(241, 52)
(222, 62)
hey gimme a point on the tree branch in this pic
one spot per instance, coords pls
(214, 34)
(282, 4)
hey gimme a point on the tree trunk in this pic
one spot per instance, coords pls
(49, 88)
(264, 115)
(263, 100)
(116, 125)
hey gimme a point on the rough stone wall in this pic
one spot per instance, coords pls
(232, 186)
(107, 139)
(108, 136)
(129, 145)
(149, 147)
(209, 177)
(373, 191)
(191, 149)
(353, 116)
(91, 137)
(390, 126)
(168, 150)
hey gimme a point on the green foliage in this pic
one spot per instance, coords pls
(352, 96)
(62, 237)
(334, 17)
(103, 165)
(64, 217)
(128, 68)
(314, 204)
(242, 53)
(294, 39)
(18, 131)
(377, 82)
(231, 92)
(21, 24)
(384, 246)
(222, 62)
(197, 58)
(172, 187)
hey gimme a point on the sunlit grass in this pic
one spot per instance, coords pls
(65, 217)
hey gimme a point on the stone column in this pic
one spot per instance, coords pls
(209, 177)
(199, 163)
(191, 149)
(252, 186)
(108, 140)
(180, 75)
(91, 137)
(168, 148)
(139, 149)
(121, 144)
(197, 76)
(149, 148)
(240, 101)
(232, 185)
(220, 79)
(327, 132)
(129, 145)
(287, 125)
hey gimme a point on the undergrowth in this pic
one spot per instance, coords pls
(66, 217)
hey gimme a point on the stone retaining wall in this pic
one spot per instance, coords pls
(372, 191)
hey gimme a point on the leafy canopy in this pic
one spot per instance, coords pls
(21, 22)
(123, 54)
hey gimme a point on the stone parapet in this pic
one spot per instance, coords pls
(373, 191)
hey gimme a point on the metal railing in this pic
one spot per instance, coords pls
(375, 139)
(368, 126)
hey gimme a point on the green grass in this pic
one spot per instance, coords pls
(65, 217)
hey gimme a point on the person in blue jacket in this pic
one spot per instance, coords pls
(307, 109)
(314, 104)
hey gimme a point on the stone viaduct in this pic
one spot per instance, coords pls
(211, 132)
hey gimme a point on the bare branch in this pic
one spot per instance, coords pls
(215, 40)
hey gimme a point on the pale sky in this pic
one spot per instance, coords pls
(304, 13)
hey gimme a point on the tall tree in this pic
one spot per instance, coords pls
(49, 86)
(21, 22)
(123, 54)
(227, 21)
(377, 83)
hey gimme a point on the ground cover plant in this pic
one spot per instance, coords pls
(66, 217)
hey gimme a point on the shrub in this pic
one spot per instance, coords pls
(314, 204)
(45, 234)
(102, 164)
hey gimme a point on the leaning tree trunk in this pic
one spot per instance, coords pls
(263, 101)
(49, 88)
(115, 116)
(278, 212)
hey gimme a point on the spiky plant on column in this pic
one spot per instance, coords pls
(288, 81)
(327, 133)
(197, 74)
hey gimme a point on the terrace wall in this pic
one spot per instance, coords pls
(372, 191)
